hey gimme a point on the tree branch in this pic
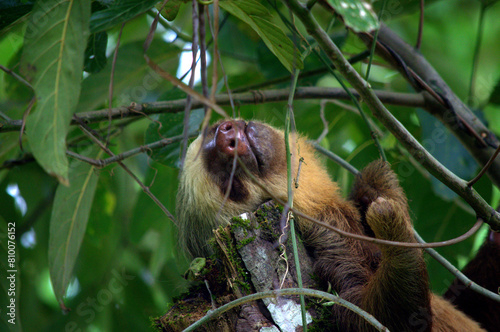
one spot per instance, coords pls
(132, 175)
(127, 154)
(253, 97)
(458, 185)
(454, 114)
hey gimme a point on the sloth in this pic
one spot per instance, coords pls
(389, 282)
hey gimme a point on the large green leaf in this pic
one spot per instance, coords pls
(11, 11)
(492, 115)
(357, 14)
(448, 150)
(171, 8)
(488, 2)
(52, 61)
(95, 53)
(495, 95)
(68, 222)
(258, 17)
(120, 11)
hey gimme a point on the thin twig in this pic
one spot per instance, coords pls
(215, 30)
(323, 134)
(286, 292)
(374, 127)
(334, 73)
(215, 53)
(460, 276)
(420, 25)
(360, 109)
(477, 49)
(167, 25)
(335, 158)
(111, 81)
(484, 169)
(136, 179)
(374, 43)
(445, 243)
(455, 115)
(368, 239)
(282, 240)
(443, 261)
(291, 130)
(303, 74)
(178, 83)
(189, 99)
(124, 155)
(28, 109)
(203, 52)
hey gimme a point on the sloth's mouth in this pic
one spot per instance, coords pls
(236, 137)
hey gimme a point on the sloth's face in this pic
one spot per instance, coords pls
(210, 172)
(259, 146)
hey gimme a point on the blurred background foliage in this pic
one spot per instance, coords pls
(128, 268)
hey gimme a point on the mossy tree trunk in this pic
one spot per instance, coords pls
(248, 259)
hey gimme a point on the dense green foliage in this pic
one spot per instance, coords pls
(90, 239)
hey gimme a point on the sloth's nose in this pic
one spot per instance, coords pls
(231, 138)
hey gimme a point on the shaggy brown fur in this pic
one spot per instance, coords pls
(389, 282)
(484, 269)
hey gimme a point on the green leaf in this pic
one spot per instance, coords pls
(11, 11)
(488, 2)
(258, 17)
(95, 53)
(357, 14)
(492, 115)
(495, 95)
(448, 150)
(171, 9)
(169, 125)
(398, 8)
(68, 222)
(120, 11)
(133, 79)
(52, 61)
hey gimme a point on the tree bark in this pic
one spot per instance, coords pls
(248, 259)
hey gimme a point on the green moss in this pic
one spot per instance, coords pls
(244, 242)
(244, 285)
(232, 253)
(240, 222)
(324, 316)
(274, 211)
